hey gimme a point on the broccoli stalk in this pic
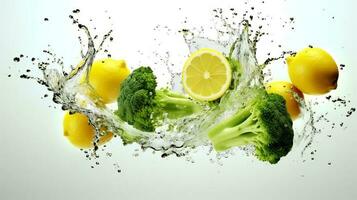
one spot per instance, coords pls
(144, 107)
(263, 123)
(173, 104)
(236, 131)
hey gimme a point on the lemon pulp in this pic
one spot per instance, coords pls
(206, 75)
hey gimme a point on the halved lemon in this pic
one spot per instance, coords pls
(206, 75)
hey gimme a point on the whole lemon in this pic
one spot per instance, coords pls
(79, 132)
(106, 76)
(288, 91)
(313, 71)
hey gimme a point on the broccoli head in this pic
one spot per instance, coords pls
(144, 107)
(264, 123)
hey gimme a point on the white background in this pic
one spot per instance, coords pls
(36, 162)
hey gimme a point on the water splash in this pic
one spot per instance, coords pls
(182, 136)
(177, 137)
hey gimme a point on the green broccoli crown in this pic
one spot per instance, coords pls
(135, 102)
(263, 123)
(144, 107)
(277, 138)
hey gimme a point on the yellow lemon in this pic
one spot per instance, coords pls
(287, 90)
(313, 71)
(206, 75)
(106, 76)
(79, 132)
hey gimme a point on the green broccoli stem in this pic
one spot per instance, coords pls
(238, 130)
(176, 105)
(128, 138)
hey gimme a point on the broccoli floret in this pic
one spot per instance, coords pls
(144, 107)
(263, 123)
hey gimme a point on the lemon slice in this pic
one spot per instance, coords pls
(206, 75)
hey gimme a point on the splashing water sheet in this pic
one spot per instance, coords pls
(235, 35)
